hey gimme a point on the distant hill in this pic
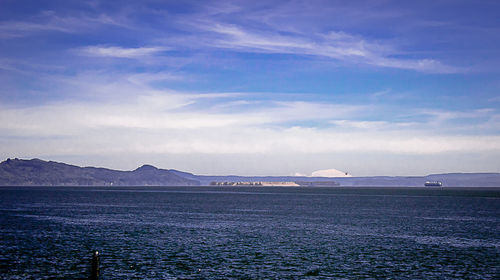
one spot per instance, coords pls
(36, 172)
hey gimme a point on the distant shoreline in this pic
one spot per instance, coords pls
(201, 187)
(36, 172)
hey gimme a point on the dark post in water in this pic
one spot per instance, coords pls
(95, 266)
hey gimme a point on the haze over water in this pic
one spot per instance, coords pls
(250, 233)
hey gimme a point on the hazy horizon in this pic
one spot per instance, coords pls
(325, 173)
(232, 87)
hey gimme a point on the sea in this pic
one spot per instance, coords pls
(250, 232)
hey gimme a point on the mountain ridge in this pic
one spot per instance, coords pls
(37, 172)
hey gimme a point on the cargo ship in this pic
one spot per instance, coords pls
(433, 184)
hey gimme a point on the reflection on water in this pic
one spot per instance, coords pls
(225, 232)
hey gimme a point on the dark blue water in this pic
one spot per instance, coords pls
(250, 233)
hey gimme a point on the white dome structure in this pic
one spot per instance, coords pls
(330, 173)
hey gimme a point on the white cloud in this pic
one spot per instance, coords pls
(169, 125)
(158, 111)
(50, 21)
(144, 79)
(373, 125)
(163, 124)
(337, 45)
(439, 117)
(124, 113)
(494, 99)
(424, 120)
(112, 51)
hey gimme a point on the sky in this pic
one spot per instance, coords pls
(373, 87)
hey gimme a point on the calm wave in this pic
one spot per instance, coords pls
(250, 233)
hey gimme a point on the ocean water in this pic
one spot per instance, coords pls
(250, 233)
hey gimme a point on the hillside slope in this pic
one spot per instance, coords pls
(36, 172)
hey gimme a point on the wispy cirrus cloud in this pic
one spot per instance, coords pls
(441, 117)
(340, 46)
(444, 122)
(51, 21)
(373, 125)
(120, 52)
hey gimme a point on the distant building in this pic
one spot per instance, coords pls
(260, 184)
(279, 184)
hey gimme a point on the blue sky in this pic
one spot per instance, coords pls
(266, 88)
